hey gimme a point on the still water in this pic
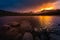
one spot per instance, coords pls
(44, 21)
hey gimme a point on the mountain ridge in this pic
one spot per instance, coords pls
(44, 12)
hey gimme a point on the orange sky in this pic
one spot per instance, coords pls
(48, 6)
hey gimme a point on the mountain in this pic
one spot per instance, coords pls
(7, 13)
(44, 12)
(51, 12)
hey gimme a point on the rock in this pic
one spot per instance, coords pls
(27, 36)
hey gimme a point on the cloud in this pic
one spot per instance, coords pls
(57, 4)
(22, 4)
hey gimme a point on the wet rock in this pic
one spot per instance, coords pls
(27, 36)
(14, 24)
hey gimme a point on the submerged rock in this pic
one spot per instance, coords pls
(27, 36)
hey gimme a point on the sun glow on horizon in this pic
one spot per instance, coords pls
(48, 6)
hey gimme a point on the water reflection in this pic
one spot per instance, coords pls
(46, 21)
(12, 26)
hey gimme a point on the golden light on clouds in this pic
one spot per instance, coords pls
(48, 6)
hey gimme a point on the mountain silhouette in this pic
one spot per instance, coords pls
(44, 12)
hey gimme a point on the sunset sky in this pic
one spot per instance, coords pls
(28, 5)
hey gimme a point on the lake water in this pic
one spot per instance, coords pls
(44, 21)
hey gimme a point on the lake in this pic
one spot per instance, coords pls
(50, 22)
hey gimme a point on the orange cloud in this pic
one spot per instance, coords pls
(48, 6)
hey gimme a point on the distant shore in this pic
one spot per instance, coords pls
(43, 13)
